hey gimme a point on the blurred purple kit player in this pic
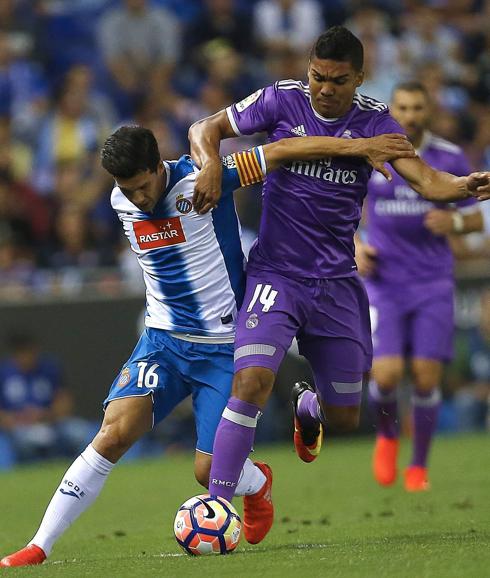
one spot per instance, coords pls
(412, 262)
(410, 285)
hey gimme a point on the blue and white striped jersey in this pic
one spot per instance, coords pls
(193, 265)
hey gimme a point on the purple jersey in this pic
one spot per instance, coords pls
(407, 250)
(311, 209)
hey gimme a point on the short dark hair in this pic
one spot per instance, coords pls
(411, 86)
(129, 151)
(338, 43)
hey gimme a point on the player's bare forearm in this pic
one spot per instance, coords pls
(375, 150)
(205, 136)
(308, 149)
(429, 183)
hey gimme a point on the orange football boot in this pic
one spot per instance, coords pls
(416, 479)
(258, 510)
(384, 460)
(28, 556)
(307, 441)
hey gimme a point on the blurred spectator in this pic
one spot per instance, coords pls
(472, 401)
(283, 24)
(16, 22)
(23, 90)
(75, 254)
(140, 45)
(220, 19)
(15, 156)
(23, 211)
(80, 79)
(18, 273)
(225, 67)
(35, 408)
(428, 38)
(382, 63)
(68, 133)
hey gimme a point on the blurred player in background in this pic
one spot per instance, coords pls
(408, 265)
(301, 277)
(193, 269)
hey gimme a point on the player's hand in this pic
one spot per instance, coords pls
(366, 259)
(387, 147)
(478, 184)
(207, 189)
(439, 222)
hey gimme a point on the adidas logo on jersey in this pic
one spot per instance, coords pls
(299, 130)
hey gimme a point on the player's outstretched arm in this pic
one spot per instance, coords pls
(376, 150)
(205, 136)
(440, 186)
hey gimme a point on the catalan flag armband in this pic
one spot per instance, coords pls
(250, 165)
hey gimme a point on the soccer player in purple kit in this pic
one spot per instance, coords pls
(408, 266)
(301, 278)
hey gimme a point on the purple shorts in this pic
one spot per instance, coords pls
(329, 317)
(415, 320)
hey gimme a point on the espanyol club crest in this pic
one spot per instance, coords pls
(183, 205)
(124, 377)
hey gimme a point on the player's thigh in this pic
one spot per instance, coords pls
(267, 322)
(389, 323)
(388, 371)
(426, 373)
(432, 326)
(152, 371)
(211, 389)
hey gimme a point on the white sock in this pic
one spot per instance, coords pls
(79, 487)
(251, 479)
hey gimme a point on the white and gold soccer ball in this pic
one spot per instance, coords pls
(207, 525)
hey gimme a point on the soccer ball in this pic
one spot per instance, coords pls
(207, 525)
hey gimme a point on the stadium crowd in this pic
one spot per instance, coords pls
(71, 72)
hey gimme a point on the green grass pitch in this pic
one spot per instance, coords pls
(331, 519)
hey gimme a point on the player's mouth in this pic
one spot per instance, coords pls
(327, 102)
(146, 206)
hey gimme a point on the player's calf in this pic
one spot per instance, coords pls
(342, 419)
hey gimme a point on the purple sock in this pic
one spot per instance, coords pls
(308, 409)
(232, 444)
(384, 407)
(425, 411)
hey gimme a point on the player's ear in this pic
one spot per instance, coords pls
(360, 78)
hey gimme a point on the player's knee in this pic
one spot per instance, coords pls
(388, 380)
(425, 383)
(253, 384)
(113, 441)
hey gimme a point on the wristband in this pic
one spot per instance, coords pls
(458, 222)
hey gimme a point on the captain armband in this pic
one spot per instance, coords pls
(250, 165)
